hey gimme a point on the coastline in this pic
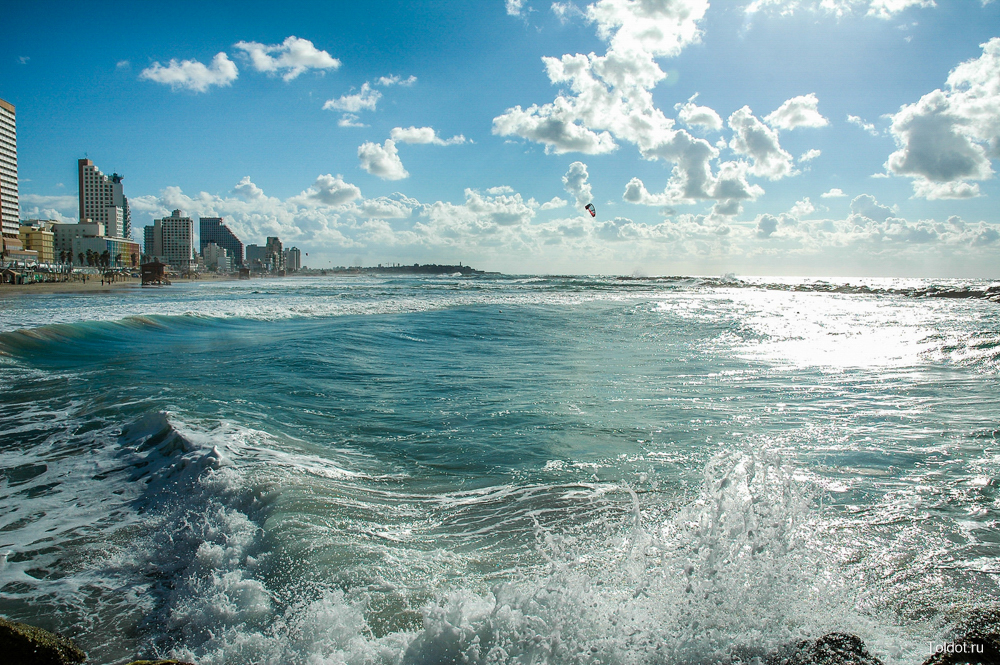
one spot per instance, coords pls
(92, 285)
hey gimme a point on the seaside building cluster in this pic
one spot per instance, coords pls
(102, 238)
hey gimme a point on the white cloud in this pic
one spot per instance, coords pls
(575, 182)
(60, 208)
(386, 81)
(423, 135)
(366, 99)
(192, 74)
(802, 208)
(382, 160)
(797, 112)
(809, 155)
(883, 9)
(833, 194)
(350, 120)
(868, 127)
(246, 190)
(701, 116)
(514, 7)
(293, 57)
(564, 11)
(555, 203)
(123, 64)
(949, 137)
(866, 206)
(889, 8)
(753, 138)
(330, 191)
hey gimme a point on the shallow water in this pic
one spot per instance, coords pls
(503, 469)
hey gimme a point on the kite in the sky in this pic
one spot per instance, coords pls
(591, 209)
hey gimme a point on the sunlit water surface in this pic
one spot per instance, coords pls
(497, 469)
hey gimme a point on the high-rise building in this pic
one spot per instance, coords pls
(10, 213)
(292, 259)
(172, 240)
(212, 229)
(102, 199)
(37, 236)
(217, 258)
(274, 255)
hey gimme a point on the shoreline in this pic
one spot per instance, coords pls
(92, 285)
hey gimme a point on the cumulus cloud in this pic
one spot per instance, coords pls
(555, 203)
(382, 160)
(802, 208)
(797, 112)
(292, 57)
(366, 99)
(693, 115)
(329, 190)
(753, 138)
(575, 182)
(193, 75)
(866, 206)
(423, 135)
(331, 215)
(60, 208)
(246, 190)
(949, 136)
(833, 194)
(867, 126)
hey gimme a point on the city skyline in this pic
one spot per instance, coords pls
(844, 137)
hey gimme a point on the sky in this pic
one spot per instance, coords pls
(755, 137)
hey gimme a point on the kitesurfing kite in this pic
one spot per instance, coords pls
(591, 209)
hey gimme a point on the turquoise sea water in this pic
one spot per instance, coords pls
(499, 469)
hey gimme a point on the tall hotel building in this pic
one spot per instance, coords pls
(102, 200)
(9, 211)
(171, 240)
(211, 229)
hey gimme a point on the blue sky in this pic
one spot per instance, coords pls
(797, 137)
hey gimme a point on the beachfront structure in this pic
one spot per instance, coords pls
(213, 230)
(217, 258)
(292, 258)
(256, 258)
(77, 239)
(11, 246)
(36, 236)
(172, 240)
(102, 199)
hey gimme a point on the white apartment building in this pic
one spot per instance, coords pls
(102, 200)
(172, 240)
(9, 211)
(217, 258)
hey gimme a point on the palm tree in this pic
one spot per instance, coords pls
(80, 255)
(90, 257)
(118, 260)
(134, 260)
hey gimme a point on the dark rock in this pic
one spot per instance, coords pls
(831, 649)
(28, 645)
(159, 662)
(976, 641)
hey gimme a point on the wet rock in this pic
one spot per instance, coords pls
(976, 641)
(28, 645)
(831, 649)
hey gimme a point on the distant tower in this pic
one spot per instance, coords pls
(212, 229)
(103, 200)
(10, 213)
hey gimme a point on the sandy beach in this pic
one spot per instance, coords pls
(91, 286)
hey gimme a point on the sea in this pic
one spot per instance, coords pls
(500, 469)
